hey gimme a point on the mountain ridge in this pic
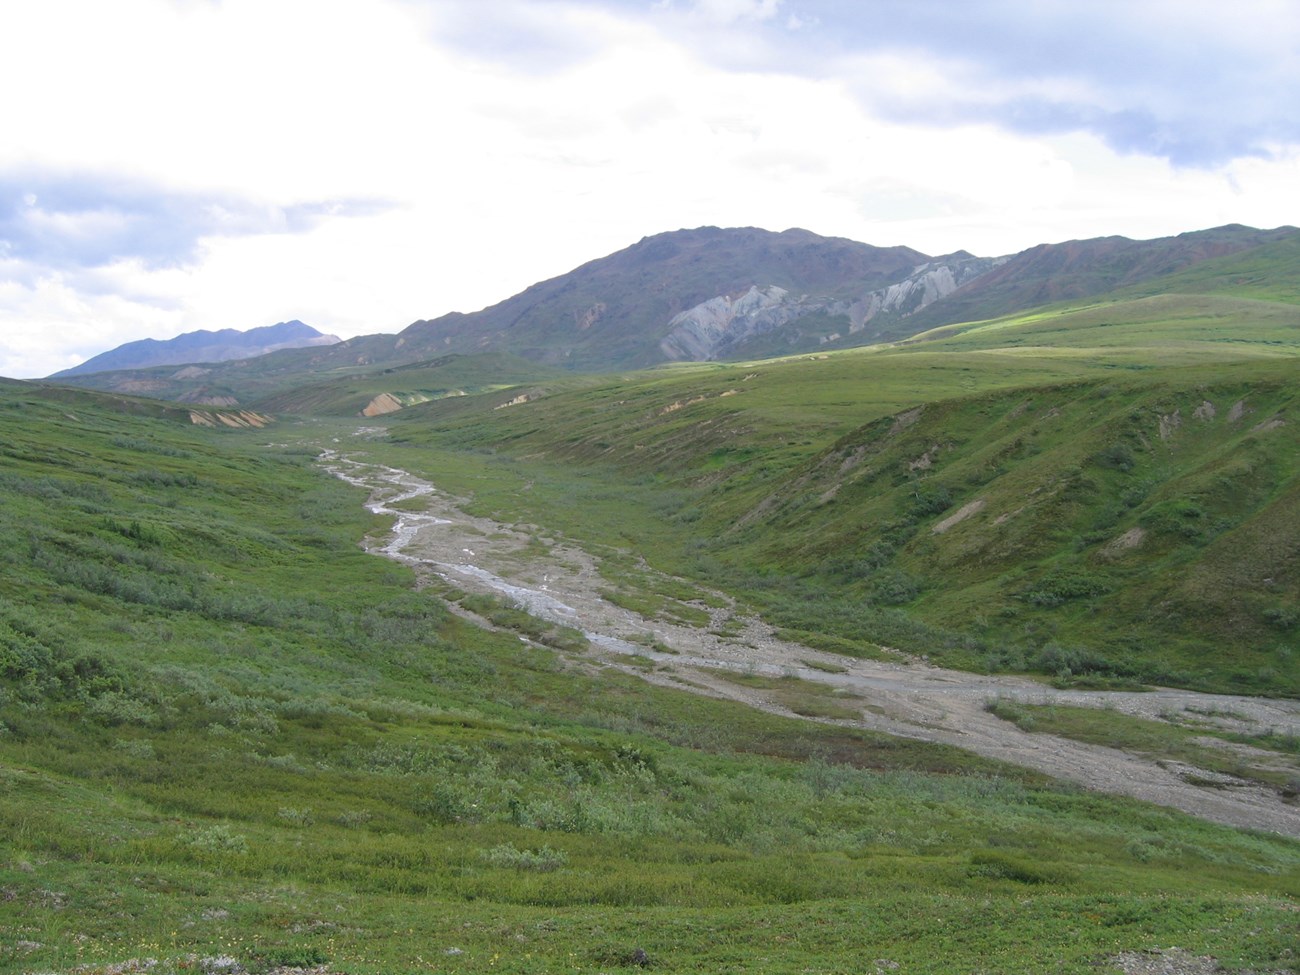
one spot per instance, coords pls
(1048, 273)
(203, 346)
(625, 310)
(620, 305)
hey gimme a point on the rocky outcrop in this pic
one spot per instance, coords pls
(381, 404)
(715, 328)
(392, 402)
(208, 399)
(241, 420)
(923, 287)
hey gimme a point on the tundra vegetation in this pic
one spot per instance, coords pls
(230, 739)
(1105, 530)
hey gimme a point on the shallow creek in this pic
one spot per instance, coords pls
(559, 582)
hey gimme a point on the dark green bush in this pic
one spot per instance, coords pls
(930, 500)
(1064, 585)
(1116, 457)
(1068, 661)
(893, 587)
(1180, 517)
(999, 866)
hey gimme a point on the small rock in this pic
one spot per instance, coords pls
(220, 965)
(1170, 961)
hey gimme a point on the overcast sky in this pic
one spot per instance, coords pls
(171, 165)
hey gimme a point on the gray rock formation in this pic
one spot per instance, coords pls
(708, 329)
(927, 284)
(713, 328)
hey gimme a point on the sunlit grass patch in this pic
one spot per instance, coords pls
(1172, 740)
(804, 697)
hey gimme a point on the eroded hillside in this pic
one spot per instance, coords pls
(1108, 529)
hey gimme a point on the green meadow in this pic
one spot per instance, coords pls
(1110, 528)
(232, 740)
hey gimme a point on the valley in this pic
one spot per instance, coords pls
(561, 584)
(940, 615)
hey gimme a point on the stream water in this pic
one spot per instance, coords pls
(562, 584)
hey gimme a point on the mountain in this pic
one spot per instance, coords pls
(203, 346)
(715, 294)
(711, 293)
(1075, 269)
(610, 313)
(618, 311)
(770, 321)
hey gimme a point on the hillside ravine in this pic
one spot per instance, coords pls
(909, 698)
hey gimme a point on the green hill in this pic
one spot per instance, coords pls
(378, 392)
(1270, 272)
(1165, 329)
(1137, 525)
(233, 741)
(1243, 303)
(1130, 530)
(1080, 269)
(228, 737)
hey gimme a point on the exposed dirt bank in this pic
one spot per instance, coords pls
(561, 583)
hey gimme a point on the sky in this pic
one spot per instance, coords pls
(174, 165)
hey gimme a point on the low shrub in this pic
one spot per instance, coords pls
(1062, 586)
(1000, 866)
(543, 860)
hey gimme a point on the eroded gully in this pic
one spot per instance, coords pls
(562, 584)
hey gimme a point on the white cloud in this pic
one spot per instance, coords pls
(1197, 82)
(50, 322)
(478, 147)
(731, 11)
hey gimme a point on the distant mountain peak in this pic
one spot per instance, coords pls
(203, 346)
(711, 293)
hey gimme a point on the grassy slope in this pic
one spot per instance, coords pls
(1109, 530)
(1075, 270)
(787, 479)
(1268, 273)
(1245, 304)
(453, 375)
(1160, 329)
(224, 730)
(305, 381)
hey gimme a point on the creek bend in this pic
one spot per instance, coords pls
(560, 583)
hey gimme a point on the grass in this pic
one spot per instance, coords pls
(656, 607)
(443, 378)
(502, 613)
(1174, 739)
(824, 667)
(1009, 529)
(268, 747)
(811, 699)
(1164, 329)
(226, 731)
